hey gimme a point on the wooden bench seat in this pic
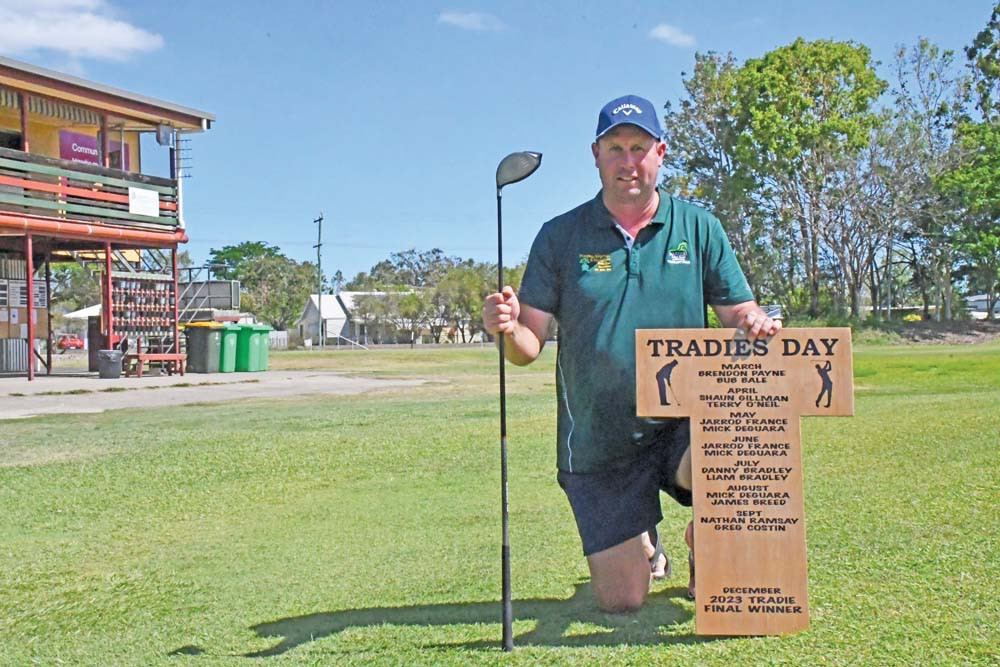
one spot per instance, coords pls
(134, 362)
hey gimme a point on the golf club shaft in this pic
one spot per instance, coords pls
(508, 613)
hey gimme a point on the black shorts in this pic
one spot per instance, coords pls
(615, 505)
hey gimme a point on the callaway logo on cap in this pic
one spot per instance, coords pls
(630, 109)
(626, 109)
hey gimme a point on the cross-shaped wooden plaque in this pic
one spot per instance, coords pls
(744, 399)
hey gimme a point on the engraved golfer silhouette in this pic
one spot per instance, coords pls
(663, 379)
(824, 374)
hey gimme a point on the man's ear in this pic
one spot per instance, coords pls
(595, 150)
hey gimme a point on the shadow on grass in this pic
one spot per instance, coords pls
(572, 622)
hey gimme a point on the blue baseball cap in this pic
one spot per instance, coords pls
(630, 109)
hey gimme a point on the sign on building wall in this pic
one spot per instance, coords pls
(78, 147)
(18, 293)
(143, 202)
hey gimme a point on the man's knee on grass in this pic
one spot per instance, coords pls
(620, 576)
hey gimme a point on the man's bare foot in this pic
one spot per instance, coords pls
(659, 564)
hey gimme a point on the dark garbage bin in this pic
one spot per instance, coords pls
(227, 351)
(204, 342)
(94, 338)
(109, 364)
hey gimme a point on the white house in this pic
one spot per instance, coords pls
(334, 316)
(358, 329)
(977, 306)
(342, 325)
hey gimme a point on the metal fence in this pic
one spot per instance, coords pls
(14, 355)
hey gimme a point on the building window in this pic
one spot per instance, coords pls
(11, 140)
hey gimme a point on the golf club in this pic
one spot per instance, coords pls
(513, 168)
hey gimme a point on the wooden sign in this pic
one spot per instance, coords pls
(744, 399)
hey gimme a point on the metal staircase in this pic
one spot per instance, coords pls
(202, 295)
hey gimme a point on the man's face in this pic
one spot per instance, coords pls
(628, 159)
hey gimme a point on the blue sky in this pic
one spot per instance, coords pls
(390, 117)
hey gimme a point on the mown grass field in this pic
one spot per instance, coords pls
(365, 530)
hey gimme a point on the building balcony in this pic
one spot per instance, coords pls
(62, 190)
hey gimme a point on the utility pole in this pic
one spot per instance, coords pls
(319, 271)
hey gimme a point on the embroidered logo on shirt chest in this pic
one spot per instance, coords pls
(678, 254)
(599, 263)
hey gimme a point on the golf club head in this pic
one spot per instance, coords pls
(517, 167)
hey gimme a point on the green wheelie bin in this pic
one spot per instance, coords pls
(204, 341)
(227, 351)
(247, 349)
(263, 345)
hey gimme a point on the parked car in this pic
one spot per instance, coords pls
(69, 342)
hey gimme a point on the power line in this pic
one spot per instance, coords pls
(357, 246)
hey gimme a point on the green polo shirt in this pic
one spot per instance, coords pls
(581, 271)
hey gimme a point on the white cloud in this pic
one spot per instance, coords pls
(477, 21)
(672, 35)
(75, 28)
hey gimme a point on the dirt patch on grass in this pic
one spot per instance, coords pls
(54, 394)
(951, 333)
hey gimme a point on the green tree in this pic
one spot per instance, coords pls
(372, 311)
(73, 287)
(807, 112)
(984, 63)
(981, 243)
(338, 282)
(702, 165)
(409, 312)
(361, 282)
(512, 275)
(411, 268)
(929, 98)
(412, 290)
(459, 296)
(275, 288)
(236, 260)
(976, 181)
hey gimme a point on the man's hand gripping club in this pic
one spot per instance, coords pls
(523, 327)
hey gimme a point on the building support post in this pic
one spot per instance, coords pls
(22, 101)
(48, 302)
(176, 308)
(108, 317)
(104, 142)
(30, 284)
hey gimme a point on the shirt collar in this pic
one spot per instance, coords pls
(604, 217)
